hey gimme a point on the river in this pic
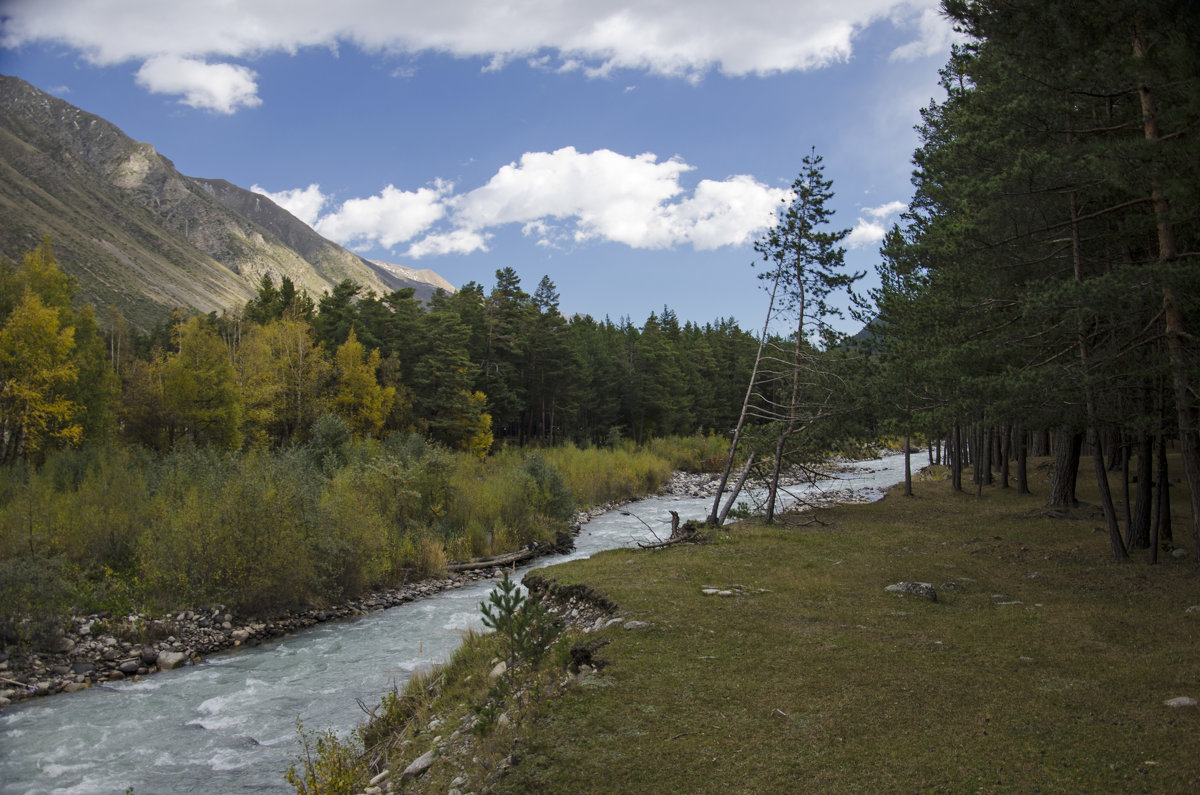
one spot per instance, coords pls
(228, 724)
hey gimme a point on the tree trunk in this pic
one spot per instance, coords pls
(1168, 253)
(1139, 526)
(1067, 445)
(1005, 453)
(907, 468)
(1022, 460)
(733, 495)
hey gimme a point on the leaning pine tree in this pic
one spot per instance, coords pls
(806, 266)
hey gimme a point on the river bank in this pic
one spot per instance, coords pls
(772, 658)
(100, 648)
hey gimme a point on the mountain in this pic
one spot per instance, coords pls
(136, 233)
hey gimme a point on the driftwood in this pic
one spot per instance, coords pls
(685, 533)
(520, 556)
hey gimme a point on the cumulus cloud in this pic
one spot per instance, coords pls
(393, 216)
(457, 241)
(683, 39)
(935, 34)
(564, 197)
(219, 87)
(871, 232)
(304, 203)
(603, 195)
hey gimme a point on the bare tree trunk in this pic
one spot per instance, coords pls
(737, 431)
(737, 489)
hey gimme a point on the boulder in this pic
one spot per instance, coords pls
(168, 660)
(149, 655)
(129, 667)
(420, 764)
(924, 590)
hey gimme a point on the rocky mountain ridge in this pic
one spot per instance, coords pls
(139, 235)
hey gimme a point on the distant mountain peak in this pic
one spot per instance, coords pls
(138, 234)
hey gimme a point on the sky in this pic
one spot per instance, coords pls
(631, 151)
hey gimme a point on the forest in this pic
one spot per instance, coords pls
(1039, 298)
(1041, 293)
(299, 450)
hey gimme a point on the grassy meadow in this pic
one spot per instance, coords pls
(1042, 667)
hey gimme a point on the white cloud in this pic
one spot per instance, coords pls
(393, 216)
(885, 210)
(935, 34)
(868, 233)
(559, 198)
(458, 241)
(304, 203)
(603, 195)
(865, 233)
(220, 87)
(683, 39)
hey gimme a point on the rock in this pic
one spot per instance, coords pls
(240, 635)
(1179, 553)
(1181, 701)
(924, 590)
(4, 702)
(149, 655)
(168, 660)
(73, 687)
(636, 625)
(503, 721)
(129, 667)
(61, 645)
(497, 672)
(710, 591)
(382, 777)
(419, 765)
(1193, 609)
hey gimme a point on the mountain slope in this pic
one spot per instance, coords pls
(138, 234)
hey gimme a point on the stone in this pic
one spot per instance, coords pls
(1193, 609)
(61, 645)
(503, 721)
(497, 672)
(378, 780)
(74, 687)
(419, 765)
(240, 635)
(129, 667)
(636, 625)
(4, 702)
(1179, 553)
(924, 590)
(149, 655)
(1180, 701)
(168, 660)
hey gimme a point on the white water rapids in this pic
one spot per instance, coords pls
(228, 725)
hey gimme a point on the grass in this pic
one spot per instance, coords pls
(1044, 667)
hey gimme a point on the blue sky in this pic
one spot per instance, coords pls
(631, 151)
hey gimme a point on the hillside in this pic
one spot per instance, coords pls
(138, 234)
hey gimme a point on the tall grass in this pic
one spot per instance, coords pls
(119, 529)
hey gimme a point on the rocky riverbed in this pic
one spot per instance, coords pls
(102, 648)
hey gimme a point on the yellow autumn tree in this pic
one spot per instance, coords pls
(357, 396)
(36, 373)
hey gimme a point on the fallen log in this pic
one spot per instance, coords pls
(507, 559)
